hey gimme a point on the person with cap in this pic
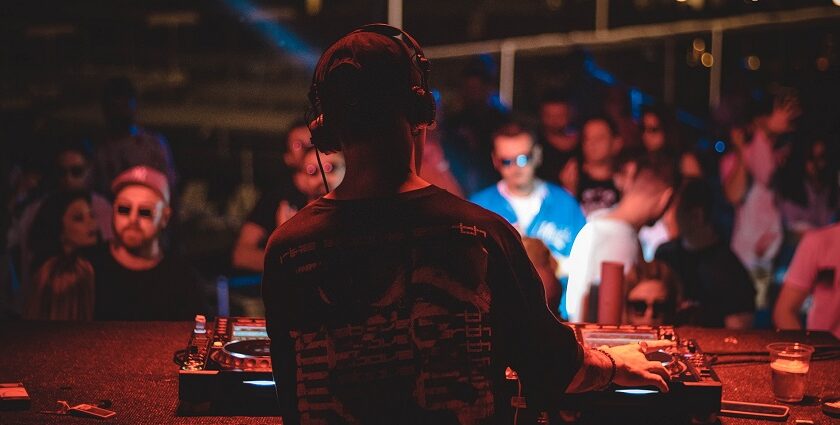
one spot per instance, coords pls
(135, 280)
(390, 300)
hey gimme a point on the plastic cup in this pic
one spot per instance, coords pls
(789, 365)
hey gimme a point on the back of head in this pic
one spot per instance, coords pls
(651, 175)
(695, 195)
(365, 83)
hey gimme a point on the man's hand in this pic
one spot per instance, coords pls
(633, 369)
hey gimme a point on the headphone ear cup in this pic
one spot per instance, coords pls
(423, 108)
(322, 136)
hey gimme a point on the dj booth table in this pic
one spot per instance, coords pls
(130, 364)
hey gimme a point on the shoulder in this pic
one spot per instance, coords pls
(558, 191)
(818, 238)
(560, 195)
(305, 224)
(488, 194)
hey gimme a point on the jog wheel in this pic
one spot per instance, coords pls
(250, 356)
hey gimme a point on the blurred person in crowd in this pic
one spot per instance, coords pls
(717, 289)
(135, 279)
(617, 108)
(814, 271)
(613, 235)
(470, 127)
(298, 143)
(659, 138)
(590, 177)
(25, 181)
(268, 214)
(62, 283)
(71, 173)
(391, 256)
(276, 205)
(126, 143)
(547, 268)
(559, 140)
(534, 207)
(653, 294)
(436, 168)
(807, 188)
(746, 173)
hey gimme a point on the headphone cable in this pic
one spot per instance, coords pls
(321, 167)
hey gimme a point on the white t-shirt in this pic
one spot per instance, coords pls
(525, 207)
(653, 236)
(601, 239)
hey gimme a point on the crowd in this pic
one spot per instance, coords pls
(87, 236)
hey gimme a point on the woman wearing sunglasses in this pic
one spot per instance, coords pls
(652, 297)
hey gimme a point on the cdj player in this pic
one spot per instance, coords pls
(695, 390)
(227, 369)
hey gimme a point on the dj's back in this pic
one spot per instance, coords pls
(407, 310)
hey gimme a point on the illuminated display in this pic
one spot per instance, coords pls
(249, 332)
(599, 337)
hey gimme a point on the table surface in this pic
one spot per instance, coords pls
(131, 365)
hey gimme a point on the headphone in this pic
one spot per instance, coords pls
(421, 102)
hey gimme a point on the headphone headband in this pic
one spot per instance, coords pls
(421, 107)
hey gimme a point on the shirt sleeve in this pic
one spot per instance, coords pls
(803, 268)
(543, 351)
(580, 274)
(279, 309)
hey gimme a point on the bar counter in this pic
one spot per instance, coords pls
(130, 364)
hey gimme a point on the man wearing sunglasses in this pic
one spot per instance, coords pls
(135, 280)
(536, 208)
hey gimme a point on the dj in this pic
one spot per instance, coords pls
(391, 301)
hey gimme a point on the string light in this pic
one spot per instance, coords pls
(707, 60)
(822, 64)
(753, 62)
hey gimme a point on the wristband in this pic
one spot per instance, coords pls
(612, 371)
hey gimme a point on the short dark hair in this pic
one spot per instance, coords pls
(602, 117)
(655, 169)
(83, 147)
(554, 95)
(363, 81)
(482, 67)
(656, 270)
(513, 129)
